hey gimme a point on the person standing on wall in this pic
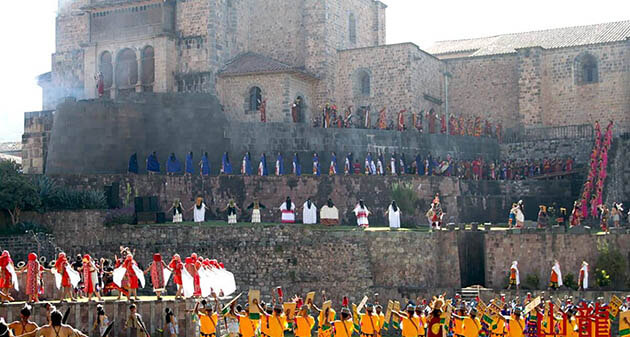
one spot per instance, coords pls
(153, 165)
(288, 211)
(393, 214)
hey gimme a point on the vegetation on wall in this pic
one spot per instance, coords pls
(610, 268)
(17, 192)
(55, 198)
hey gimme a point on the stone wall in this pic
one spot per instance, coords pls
(85, 132)
(536, 253)
(485, 86)
(579, 149)
(566, 101)
(617, 187)
(301, 258)
(400, 77)
(279, 90)
(464, 201)
(37, 128)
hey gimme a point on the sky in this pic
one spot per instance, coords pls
(27, 34)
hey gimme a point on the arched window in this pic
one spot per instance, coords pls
(255, 98)
(364, 83)
(352, 28)
(586, 69)
(126, 71)
(148, 69)
(105, 67)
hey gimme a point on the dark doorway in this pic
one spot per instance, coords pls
(472, 264)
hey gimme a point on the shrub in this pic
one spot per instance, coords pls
(120, 216)
(570, 282)
(532, 281)
(56, 198)
(405, 197)
(23, 227)
(17, 192)
(610, 265)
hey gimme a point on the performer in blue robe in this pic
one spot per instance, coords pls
(419, 165)
(403, 164)
(279, 165)
(347, 165)
(297, 168)
(246, 165)
(430, 166)
(226, 167)
(205, 165)
(262, 166)
(333, 165)
(317, 170)
(381, 164)
(173, 165)
(153, 165)
(189, 163)
(133, 164)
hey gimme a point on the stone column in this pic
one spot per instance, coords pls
(113, 91)
(139, 81)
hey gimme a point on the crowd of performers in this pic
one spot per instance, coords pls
(194, 276)
(591, 200)
(555, 276)
(379, 164)
(328, 213)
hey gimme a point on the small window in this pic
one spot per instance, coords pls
(364, 82)
(352, 28)
(586, 69)
(255, 98)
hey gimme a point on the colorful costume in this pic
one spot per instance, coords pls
(33, 275)
(361, 212)
(288, 211)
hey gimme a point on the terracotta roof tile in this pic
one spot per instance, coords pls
(252, 63)
(548, 39)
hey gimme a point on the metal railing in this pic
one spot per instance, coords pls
(517, 135)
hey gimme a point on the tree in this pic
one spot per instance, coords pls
(17, 192)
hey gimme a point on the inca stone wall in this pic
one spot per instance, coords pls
(463, 201)
(182, 123)
(37, 129)
(577, 148)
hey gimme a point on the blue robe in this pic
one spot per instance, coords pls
(173, 165)
(189, 164)
(383, 164)
(420, 165)
(333, 165)
(296, 166)
(248, 165)
(262, 167)
(133, 164)
(152, 164)
(205, 165)
(368, 164)
(316, 167)
(279, 165)
(226, 166)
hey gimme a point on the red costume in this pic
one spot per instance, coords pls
(176, 265)
(157, 272)
(88, 282)
(131, 274)
(33, 272)
(6, 280)
(263, 111)
(192, 270)
(443, 124)
(382, 123)
(401, 120)
(60, 266)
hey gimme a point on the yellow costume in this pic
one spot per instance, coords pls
(325, 331)
(471, 327)
(381, 322)
(458, 326)
(369, 324)
(304, 326)
(410, 326)
(247, 327)
(343, 328)
(499, 329)
(208, 324)
(517, 326)
(572, 328)
(275, 325)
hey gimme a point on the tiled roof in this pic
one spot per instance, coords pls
(252, 63)
(548, 39)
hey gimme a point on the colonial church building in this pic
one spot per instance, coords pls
(317, 51)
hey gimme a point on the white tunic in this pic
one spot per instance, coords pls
(309, 215)
(288, 216)
(362, 215)
(585, 280)
(394, 217)
(392, 165)
(199, 213)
